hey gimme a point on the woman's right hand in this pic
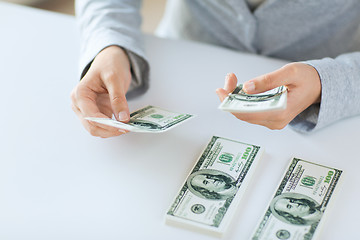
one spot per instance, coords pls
(101, 92)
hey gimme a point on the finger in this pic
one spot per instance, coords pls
(117, 98)
(268, 81)
(101, 130)
(85, 100)
(222, 94)
(97, 129)
(272, 120)
(230, 82)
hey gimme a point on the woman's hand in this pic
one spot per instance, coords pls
(101, 92)
(304, 89)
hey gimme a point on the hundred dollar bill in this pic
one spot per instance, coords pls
(300, 202)
(239, 101)
(149, 119)
(212, 191)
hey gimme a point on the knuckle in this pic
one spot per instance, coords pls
(267, 81)
(291, 68)
(110, 76)
(277, 126)
(118, 99)
(93, 130)
(280, 121)
(280, 117)
(272, 127)
(241, 117)
(93, 134)
(73, 107)
(73, 95)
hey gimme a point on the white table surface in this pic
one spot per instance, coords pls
(59, 182)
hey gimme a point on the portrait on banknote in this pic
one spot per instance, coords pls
(296, 208)
(212, 184)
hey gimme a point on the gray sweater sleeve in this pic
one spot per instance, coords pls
(340, 88)
(113, 22)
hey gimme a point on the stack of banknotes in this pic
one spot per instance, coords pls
(299, 205)
(239, 101)
(213, 189)
(149, 119)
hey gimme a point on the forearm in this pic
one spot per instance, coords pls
(340, 84)
(106, 23)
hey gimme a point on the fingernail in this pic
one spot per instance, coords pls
(123, 116)
(122, 131)
(249, 87)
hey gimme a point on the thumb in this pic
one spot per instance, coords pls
(222, 94)
(230, 82)
(267, 81)
(118, 101)
(230, 85)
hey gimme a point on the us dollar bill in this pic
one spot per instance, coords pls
(297, 209)
(149, 119)
(209, 197)
(239, 101)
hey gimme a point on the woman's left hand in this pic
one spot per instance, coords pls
(304, 89)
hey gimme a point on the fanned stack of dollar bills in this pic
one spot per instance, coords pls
(239, 101)
(212, 191)
(149, 119)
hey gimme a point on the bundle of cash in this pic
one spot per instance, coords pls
(239, 101)
(211, 193)
(149, 119)
(297, 209)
